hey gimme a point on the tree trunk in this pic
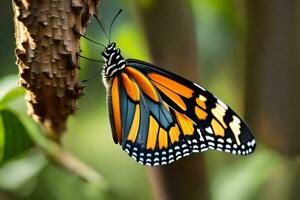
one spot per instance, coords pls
(168, 26)
(273, 72)
(47, 57)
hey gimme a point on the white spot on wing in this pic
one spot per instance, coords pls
(178, 157)
(229, 140)
(210, 138)
(170, 161)
(209, 130)
(199, 132)
(211, 144)
(204, 149)
(220, 140)
(186, 154)
(185, 150)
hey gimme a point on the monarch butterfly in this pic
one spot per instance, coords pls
(159, 117)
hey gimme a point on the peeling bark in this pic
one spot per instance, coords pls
(46, 50)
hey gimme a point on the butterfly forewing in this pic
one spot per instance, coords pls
(217, 124)
(159, 117)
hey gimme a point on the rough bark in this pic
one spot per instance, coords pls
(47, 57)
(169, 30)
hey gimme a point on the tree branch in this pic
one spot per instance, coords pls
(64, 159)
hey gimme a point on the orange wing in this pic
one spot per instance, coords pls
(159, 117)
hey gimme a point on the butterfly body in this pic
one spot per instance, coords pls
(159, 117)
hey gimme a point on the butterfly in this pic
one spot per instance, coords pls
(159, 117)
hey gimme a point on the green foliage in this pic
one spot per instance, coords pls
(14, 138)
(20, 174)
(9, 89)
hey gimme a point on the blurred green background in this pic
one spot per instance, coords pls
(221, 38)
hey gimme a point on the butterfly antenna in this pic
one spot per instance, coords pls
(90, 59)
(93, 41)
(112, 22)
(101, 25)
(92, 76)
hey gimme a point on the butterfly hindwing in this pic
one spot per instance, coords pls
(150, 130)
(114, 109)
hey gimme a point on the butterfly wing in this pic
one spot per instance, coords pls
(159, 117)
(141, 122)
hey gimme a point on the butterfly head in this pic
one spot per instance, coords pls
(109, 49)
(113, 59)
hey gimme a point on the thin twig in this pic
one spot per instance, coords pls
(56, 153)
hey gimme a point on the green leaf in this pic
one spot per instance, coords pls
(9, 89)
(14, 137)
(20, 174)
